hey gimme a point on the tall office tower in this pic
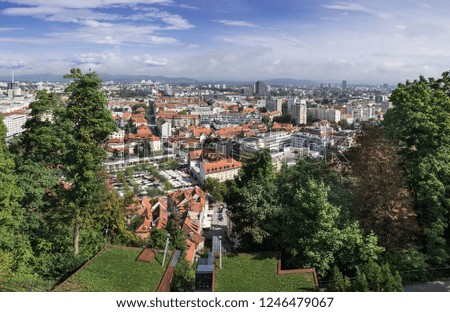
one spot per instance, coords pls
(260, 88)
(299, 112)
(344, 84)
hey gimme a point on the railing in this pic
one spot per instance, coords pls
(309, 272)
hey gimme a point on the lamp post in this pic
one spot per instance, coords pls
(165, 249)
(106, 237)
(220, 251)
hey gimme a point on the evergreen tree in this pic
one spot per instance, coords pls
(337, 280)
(374, 276)
(361, 281)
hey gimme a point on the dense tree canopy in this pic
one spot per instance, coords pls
(15, 251)
(420, 124)
(54, 196)
(381, 201)
(296, 212)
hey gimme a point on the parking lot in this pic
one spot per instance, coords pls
(178, 178)
(141, 182)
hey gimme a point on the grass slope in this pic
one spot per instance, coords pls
(257, 272)
(116, 270)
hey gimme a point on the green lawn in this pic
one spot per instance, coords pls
(114, 270)
(257, 272)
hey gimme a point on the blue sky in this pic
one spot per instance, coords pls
(383, 41)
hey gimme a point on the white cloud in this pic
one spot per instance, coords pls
(85, 4)
(11, 63)
(174, 21)
(26, 40)
(341, 40)
(236, 23)
(55, 14)
(114, 34)
(347, 6)
(5, 29)
(150, 60)
(356, 7)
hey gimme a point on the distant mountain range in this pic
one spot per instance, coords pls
(103, 76)
(135, 78)
(288, 82)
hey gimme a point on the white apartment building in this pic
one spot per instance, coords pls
(118, 135)
(362, 113)
(155, 144)
(331, 115)
(14, 124)
(164, 128)
(312, 141)
(222, 170)
(275, 141)
(299, 112)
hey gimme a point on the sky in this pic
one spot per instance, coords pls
(361, 41)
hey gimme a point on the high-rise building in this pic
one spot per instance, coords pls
(260, 88)
(274, 105)
(299, 112)
(13, 88)
(344, 84)
(167, 90)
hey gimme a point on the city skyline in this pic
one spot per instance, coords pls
(357, 41)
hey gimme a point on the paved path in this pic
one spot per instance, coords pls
(437, 286)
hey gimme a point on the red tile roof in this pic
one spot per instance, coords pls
(190, 252)
(195, 154)
(221, 165)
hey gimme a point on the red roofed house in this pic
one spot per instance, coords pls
(190, 206)
(143, 134)
(225, 169)
(138, 120)
(155, 213)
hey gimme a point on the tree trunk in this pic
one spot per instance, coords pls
(76, 236)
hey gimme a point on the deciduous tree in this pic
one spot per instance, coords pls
(381, 201)
(89, 125)
(420, 124)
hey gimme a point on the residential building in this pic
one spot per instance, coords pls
(317, 113)
(14, 123)
(314, 139)
(299, 112)
(164, 128)
(274, 105)
(222, 170)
